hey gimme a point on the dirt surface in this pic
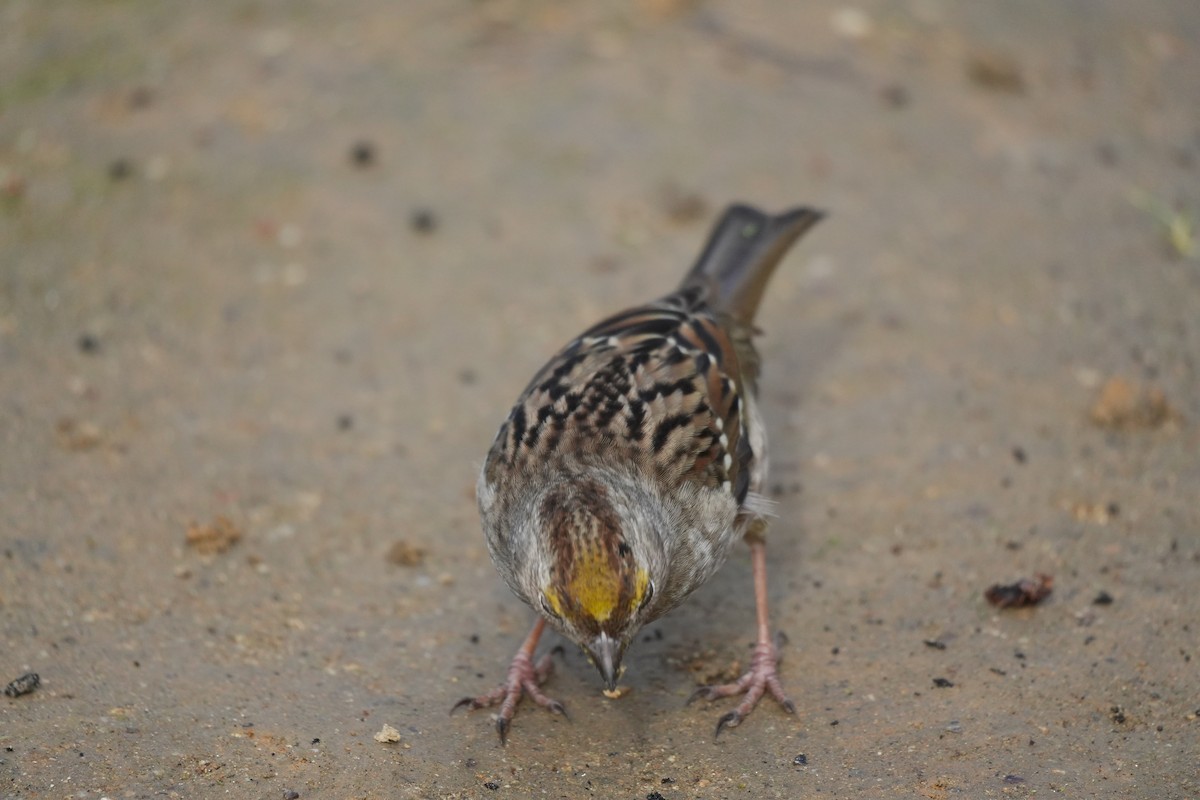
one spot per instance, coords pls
(273, 272)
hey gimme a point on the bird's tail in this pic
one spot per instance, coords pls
(741, 254)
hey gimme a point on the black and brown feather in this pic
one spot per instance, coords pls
(659, 384)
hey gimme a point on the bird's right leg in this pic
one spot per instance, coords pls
(763, 675)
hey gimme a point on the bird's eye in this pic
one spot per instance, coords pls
(549, 609)
(648, 596)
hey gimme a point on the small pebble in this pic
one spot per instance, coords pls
(345, 422)
(935, 644)
(995, 71)
(119, 169)
(800, 760)
(895, 96)
(290, 794)
(23, 685)
(362, 154)
(493, 785)
(1102, 599)
(387, 735)
(423, 221)
(88, 343)
(942, 683)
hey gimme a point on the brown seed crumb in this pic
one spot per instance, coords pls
(213, 538)
(682, 206)
(405, 554)
(78, 436)
(1025, 592)
(1123, 405)
(999, 72)
(1091, 512)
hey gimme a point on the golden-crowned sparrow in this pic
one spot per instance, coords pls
(633, 461)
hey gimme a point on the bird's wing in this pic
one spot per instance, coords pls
(661, 383)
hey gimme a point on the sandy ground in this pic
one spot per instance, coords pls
(272, 273)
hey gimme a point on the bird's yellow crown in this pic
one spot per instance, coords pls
(595, 588)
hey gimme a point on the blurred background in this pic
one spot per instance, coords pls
(272, 273)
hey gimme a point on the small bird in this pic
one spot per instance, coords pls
(631, 464)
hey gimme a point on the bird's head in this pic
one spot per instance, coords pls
(598, 579)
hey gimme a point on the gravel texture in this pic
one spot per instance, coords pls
(271, 273)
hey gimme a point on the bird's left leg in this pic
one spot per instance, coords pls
(763, 675)
(524, 677)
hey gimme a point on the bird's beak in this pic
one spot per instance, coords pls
(606, 654)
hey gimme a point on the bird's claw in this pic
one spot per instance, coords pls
(729, 720)
(473, 702)
(502, 726)
(524, 678)
(761, 678)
